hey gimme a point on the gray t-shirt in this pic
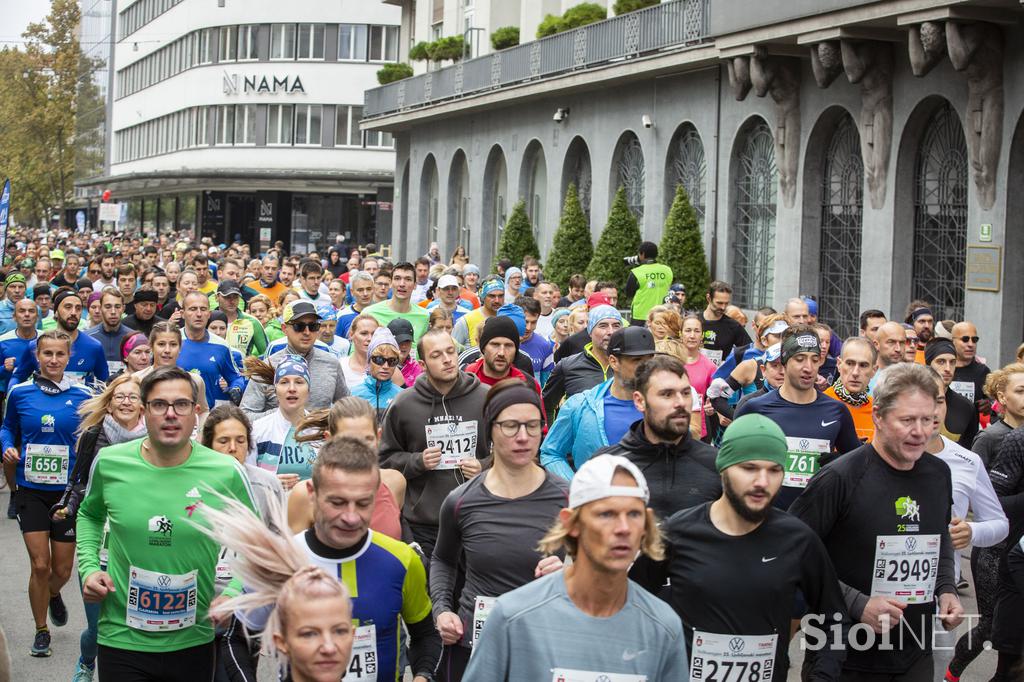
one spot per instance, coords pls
(536, 633)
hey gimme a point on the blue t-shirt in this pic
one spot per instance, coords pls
(618, 416)
(87, 362)
(542, 355)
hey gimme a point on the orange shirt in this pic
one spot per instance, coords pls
(270, 292)
(861, 415)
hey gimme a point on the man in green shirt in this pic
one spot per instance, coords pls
(245, 333)
(159, 582)
(648, 283)
(403, 283)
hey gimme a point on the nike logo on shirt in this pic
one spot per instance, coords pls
(765, 560)
(825, 424)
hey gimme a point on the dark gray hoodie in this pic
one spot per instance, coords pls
(405, 438)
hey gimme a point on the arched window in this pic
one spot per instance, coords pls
(753, 243)
(494, 204)
(458, 204)
(940, 215)
(537, 195)
(630, 173)
(842, 221)
(578, 172)
(687, 167)
(429, 191)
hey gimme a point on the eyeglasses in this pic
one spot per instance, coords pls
(303, 326)
(181, 407)
(510, 427)
(968, 339)
(127, 398)
(380, 361)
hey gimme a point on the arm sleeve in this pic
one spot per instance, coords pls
(259, 339)
(393, 454)
(554, 389)
(491, 653)
(254, 401)
(27, 364)
(971, 432)
(945, 580)
(424, 639)
(631, 285)
(89, 524)
(820, 503)
(824, 596)
(238, 655)
(444, 563)
(100, 369)
(649, 574)
(460, 332)
(990, 525)
(558, 443)
(230, 372)
(1007, 474)
(982, 447)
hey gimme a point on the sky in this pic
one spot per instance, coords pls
(16, 15)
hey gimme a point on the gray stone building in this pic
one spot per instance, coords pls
(863, 152)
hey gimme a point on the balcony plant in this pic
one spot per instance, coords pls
(448, 48)
(574, 17)
(505, 37)
(626, 6)
(390, 73)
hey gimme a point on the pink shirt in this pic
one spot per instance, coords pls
(410, 370)
(700, 373)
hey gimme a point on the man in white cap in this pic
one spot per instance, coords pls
(447, 297)
(549, 628)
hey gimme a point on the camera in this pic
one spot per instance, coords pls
(631, 260)
(646, 121)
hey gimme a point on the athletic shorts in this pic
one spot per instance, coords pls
(33, 508)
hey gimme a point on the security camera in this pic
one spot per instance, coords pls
(646, 120)
(560, 115)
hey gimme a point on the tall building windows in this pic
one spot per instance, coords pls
(279, 124)
(282, 41)
(311, 41)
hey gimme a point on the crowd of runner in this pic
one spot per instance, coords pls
(342, 466)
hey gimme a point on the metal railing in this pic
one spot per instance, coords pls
(674, 24)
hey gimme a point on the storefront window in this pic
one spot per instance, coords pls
(167, 214)
(187, 205)
(149, 217)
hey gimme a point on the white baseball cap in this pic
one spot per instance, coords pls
(593, 481)
(447, 281)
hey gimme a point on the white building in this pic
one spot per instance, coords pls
(241, 119)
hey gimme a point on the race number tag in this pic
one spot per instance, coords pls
(47, 464)
(75, 378)
(714, 356)
(964, 388)
(567, 675)
(802, 460)
(732, 658)
(363, 665)
(159, 602)
(906, 567)
(457, 441)
(481, 610)
(222, 572)
(114, 366)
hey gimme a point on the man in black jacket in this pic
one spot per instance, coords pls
(588, 368)
(679, 469)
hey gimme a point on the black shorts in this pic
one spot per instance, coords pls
(33, 506)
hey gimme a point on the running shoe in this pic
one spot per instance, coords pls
(41, 644)
(58, 611)
(83, 673)
(950, 677)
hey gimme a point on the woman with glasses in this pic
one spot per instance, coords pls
(377, 388)
(277, 450)
(494, 523)
(40, 420)
(114, 416)
(355, 366)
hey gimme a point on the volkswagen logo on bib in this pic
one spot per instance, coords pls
(163, 581)
(736, 645)
(451, 427)
(911, 544)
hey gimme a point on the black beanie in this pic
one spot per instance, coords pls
(499, 326)
(937, 347)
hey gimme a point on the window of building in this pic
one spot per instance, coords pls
(352, 42)
(376, 138)
(282, 41)
(307, 124)
(343, 127)
(226, 124)
(383, 43)
(753, 238)
(201, 126)
(245, 124)
(205, 44)
(279, 124)
(311, 41)
(247, 42)
(228, 46)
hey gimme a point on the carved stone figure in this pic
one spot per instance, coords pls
(927, 44)
(826, 63)
(779, 78)
(871, 65)
(739, 76)
(977, 49)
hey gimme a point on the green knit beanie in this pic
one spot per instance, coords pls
(751, 437)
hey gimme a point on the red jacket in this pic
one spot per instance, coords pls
(477, 370)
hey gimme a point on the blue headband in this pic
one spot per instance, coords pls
(292, 366)
(490, 286)
(601, 312)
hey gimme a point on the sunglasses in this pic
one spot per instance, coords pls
(380, 361)
(969, 339)
(303, 326)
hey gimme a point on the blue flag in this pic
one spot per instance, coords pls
(5, 207)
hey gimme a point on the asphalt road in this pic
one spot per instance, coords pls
(16, 621)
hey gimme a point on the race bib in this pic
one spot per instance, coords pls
(714, 356)
(363, 665)
(223, 569)
(457, 441)
(567, 675)
(732, 658)
(159, 602)
(906, 567)
(481, 610)
(114, 366)
(47, 464)
(75, 378)
(802, 460)
(964, 388)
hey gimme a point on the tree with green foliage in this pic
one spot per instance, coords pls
(682, 246)
(627, 6)
(392, 72)
(450, 47)
(574, 17)
(517, 241)
(505, 37)
(620, 238)
(572, 249)
(418, 52)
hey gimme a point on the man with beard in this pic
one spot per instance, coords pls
(920, 315)
(87, 363)
(492, 297)
(736, 565)
(499, 346)
(602, 415)
(680, 470)
(815, 425)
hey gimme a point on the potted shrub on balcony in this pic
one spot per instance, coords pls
(390, 73)
(505, 37)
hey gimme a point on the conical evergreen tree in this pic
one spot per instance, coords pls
(620, 238)
(517, 240)
(572, 249)
(682, 247)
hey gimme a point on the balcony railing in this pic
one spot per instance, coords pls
(674, 24)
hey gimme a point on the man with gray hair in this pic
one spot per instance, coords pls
(360, 286)
(883, 512)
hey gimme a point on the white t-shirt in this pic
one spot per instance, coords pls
(352, 378)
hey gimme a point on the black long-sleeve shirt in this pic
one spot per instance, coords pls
(1007, 474)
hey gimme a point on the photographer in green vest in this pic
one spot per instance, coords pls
(648, 283)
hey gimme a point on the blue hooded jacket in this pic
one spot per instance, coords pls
(579, 428)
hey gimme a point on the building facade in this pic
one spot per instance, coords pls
(240, 120)
(862, 152)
